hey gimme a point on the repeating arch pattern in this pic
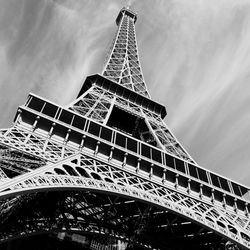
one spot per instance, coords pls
(126, 185)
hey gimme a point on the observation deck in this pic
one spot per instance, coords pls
(128, 12)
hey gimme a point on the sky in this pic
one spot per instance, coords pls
(195, 57)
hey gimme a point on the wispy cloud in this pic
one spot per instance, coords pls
(49, 46)
(200, 60)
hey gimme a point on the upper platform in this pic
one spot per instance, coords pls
(123, 92)
(128, 12)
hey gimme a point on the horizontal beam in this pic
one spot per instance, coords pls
(107, 141)
(123, 92)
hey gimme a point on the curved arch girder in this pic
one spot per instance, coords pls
(45, 182)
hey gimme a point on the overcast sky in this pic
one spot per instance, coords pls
(195, 57)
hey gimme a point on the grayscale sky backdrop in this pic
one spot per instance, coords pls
(195, 55)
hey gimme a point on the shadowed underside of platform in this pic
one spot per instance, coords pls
(139, 224)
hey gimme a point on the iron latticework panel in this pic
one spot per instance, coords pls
(107, 172)
(123, 65)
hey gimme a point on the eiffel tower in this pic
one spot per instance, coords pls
(108, 173)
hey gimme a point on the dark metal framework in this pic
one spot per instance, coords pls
(108, 166)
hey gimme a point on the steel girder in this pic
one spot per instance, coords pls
(91, 171)
(35, 144)
(82, 172)
(97, 104)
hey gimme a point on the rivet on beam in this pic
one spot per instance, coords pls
(125, 159)
(67, 136)
(51, 129)
(224, 201)
(138, 165)
(212, 195)
(176, 181)
(201, 192)
(97, 147)
(189, 187)
(82, 142)
(19, 112)
(151, 170)
(35, 122)
(111, 154)
(164, 176)
(235, 205)
(246, 209)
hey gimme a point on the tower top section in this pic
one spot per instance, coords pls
(122, 64)
(128, 12)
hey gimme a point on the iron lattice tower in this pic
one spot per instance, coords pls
(108, 166)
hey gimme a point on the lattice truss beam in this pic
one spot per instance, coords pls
(97, 104)
(34, 144)
(123, 64)
(153, 223)
(22, 151)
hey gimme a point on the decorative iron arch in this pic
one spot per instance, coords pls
(45, 183)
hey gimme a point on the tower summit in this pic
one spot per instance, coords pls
(106, 172)
(126, 12)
